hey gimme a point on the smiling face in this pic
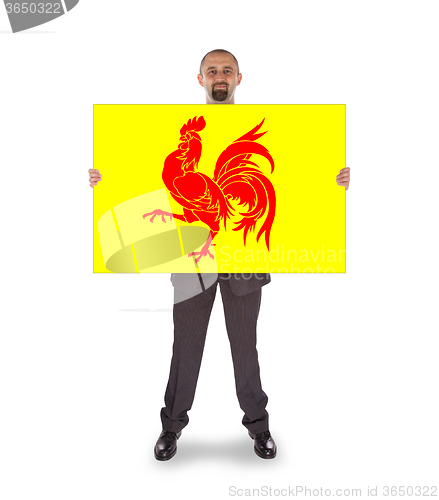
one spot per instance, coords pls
(219, 78)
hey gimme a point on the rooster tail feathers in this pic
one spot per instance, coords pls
(239, 180)
(254, 189)
(251, 135)
(193, 125)
(235, 155)
(266, 226)
(247, 225)
(240, 150)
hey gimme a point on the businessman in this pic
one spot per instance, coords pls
(194, 296)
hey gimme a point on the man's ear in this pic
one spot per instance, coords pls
(239, 79)
(200, 80)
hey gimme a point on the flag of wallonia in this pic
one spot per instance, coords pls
(221, 189)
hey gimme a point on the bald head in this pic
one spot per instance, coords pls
(219, 75)
(218, 51)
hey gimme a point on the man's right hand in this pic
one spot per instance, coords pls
(95, 177)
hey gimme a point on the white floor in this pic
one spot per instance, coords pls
(351, 380)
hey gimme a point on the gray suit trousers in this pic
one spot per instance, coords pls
(191, 318)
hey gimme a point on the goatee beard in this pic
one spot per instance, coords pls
(219, 95)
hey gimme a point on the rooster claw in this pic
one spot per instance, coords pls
(158, 212)
(202, 253)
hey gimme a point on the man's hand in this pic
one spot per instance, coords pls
(344, 177)
(95, 177)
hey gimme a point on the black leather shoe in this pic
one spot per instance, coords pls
(265, 447)
(166, 446)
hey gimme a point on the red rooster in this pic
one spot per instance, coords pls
(235, 178)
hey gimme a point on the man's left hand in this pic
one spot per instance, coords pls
(344, 177)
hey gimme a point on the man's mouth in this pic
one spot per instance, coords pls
(219, 86)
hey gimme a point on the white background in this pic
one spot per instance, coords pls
(349, 362)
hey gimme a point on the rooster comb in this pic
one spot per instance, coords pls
(194, 125)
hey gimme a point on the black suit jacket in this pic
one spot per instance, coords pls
(241, 284)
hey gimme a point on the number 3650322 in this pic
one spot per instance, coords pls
(33, 8)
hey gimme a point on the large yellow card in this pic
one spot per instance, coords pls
(227, 189)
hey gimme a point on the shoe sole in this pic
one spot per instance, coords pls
(163, 459)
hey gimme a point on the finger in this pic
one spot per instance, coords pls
(343, 183)
(339, 181)
(344, 176)
(346, 169)
(93, 170)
